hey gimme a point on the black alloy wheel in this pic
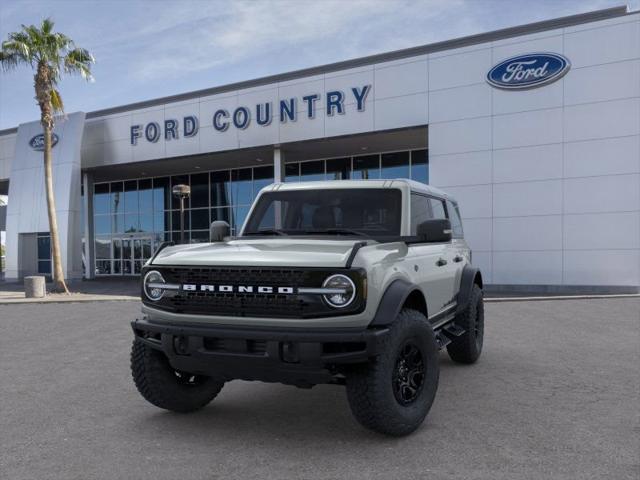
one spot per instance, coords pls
(408, 374)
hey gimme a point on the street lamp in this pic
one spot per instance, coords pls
(182, 192)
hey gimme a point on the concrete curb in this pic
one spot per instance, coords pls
(70, 299)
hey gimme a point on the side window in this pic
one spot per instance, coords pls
(437, 208)
(420, 211)
(456, 223)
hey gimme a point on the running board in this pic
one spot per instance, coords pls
(453, 330)
(442, 339)
(447, 332)
(441, 322)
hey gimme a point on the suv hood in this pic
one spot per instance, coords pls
(272, 252)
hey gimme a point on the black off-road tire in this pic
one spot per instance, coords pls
(372, 389)
(164, 387)
(468, 347)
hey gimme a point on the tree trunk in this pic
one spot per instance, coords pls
(59, 284)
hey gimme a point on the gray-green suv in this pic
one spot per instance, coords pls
(357, 283)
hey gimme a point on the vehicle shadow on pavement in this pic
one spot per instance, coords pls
(269, 410)
(255, 411)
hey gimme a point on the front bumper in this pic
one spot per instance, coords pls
(301, 357)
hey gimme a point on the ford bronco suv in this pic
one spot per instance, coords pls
(352, 282)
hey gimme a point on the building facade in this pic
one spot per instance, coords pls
(534, 129)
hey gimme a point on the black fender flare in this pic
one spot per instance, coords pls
(470, 276)
(392, 301)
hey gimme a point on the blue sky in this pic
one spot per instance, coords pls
(149, 49)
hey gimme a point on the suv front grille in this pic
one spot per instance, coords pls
(252, 304)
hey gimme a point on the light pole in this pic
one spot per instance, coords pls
(182, 192)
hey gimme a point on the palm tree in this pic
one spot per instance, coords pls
(50, 55)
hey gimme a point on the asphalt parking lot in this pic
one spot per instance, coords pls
(555, 395)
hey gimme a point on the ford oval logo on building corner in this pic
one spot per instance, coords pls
(528, 71)
(37, 142)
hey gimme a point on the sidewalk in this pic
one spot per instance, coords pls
(128, 288)
(104, 289)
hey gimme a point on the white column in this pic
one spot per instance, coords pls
(278, 165)
(278, 177)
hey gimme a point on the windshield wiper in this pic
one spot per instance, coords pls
(338, 231)
(267, 231)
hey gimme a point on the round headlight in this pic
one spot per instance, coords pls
(150, 285)
(344, 291)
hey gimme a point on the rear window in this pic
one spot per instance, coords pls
(454, 217)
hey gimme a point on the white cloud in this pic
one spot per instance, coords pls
(184, 39)
(147, 49)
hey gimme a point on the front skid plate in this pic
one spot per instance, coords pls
(299, 357)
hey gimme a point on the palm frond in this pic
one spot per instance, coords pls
(9, 61)
(47, 26)
(79, 61)
(63, 42)
(56, 101)
(17, 47)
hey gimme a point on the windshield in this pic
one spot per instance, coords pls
(370, 212)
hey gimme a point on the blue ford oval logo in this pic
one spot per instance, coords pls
(528, 71)
(37, 142)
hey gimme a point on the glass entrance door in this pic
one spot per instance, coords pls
(130, 253)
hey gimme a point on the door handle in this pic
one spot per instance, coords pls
(441, 262)
(458, 259)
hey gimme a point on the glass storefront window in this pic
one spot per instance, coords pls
(240, 214)
(102, 224)
(131, 223)
(161, 194)
(131, 203)
(339, 168)
(200, 218)
(146, 222)
(312, 171)
(420, 166)
(366, 167)
(161, 222)
(103, 247)
(395, 165)
(145, 195)
(199, 236)
(101, 198)
(117, 223)
(262, 176)
(223, 214)
(220, 189)
(175, 220)
(103, 267)
(292, 172)
(116, 197)
(200, 190)
(144, 210)
(241, 188)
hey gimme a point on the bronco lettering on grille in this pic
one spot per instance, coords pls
(192, 287)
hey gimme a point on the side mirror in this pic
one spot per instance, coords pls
(218, 230)
(436, 230)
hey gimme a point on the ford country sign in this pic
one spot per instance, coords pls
(528, 71)
(37, 142)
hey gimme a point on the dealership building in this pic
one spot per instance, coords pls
(535, 129)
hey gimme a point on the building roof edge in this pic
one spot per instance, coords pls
(466, 41)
